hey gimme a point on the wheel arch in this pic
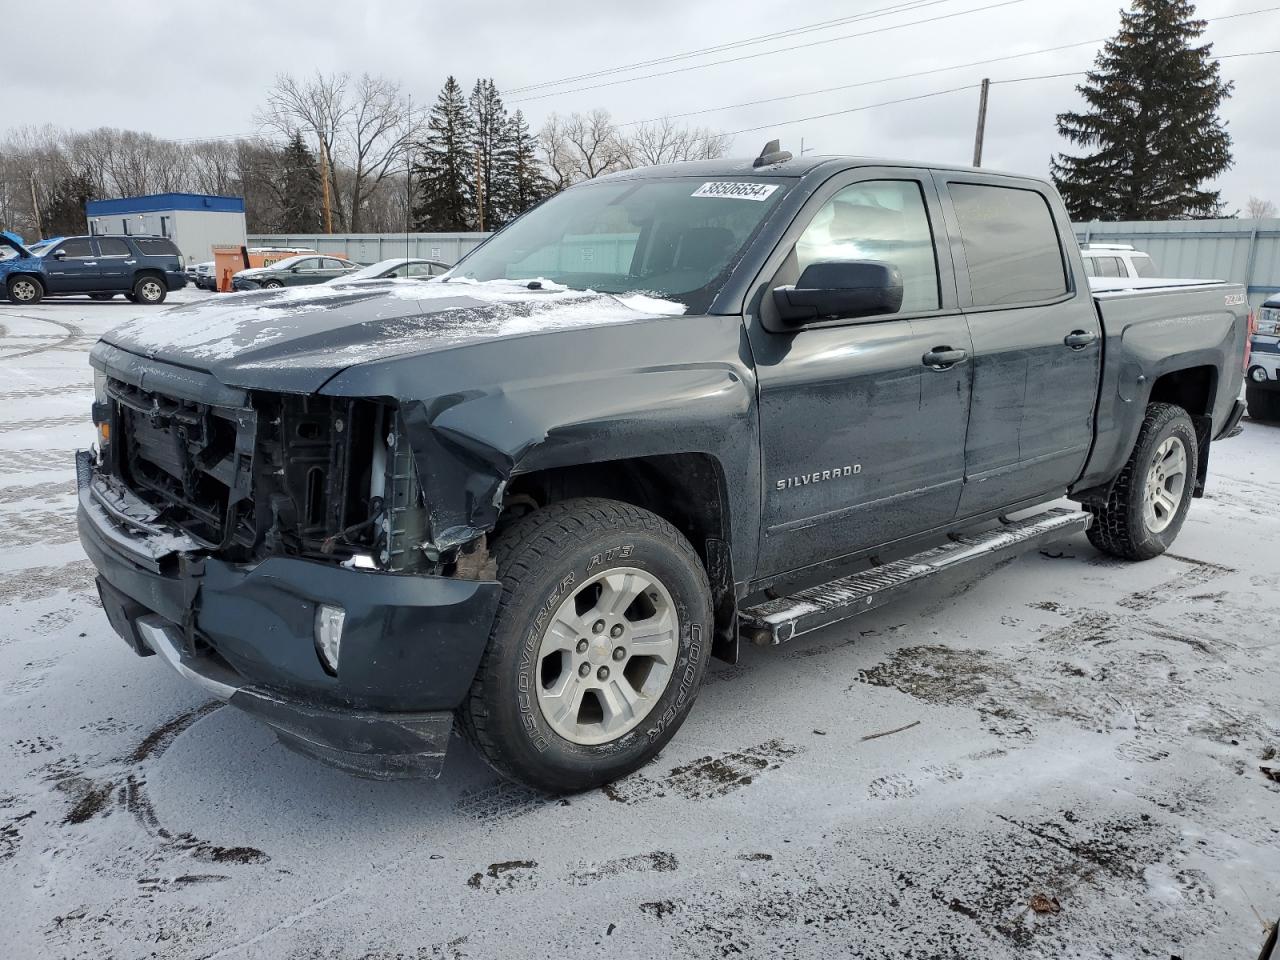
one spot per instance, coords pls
(688, 490)
(1193, 389)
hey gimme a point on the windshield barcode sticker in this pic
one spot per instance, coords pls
(735, 190)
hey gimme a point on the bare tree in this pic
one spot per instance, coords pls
(1259, 209)
(664, 141)
(557, 153)
(361, 125)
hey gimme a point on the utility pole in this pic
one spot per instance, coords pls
(324, 183)
(35, 207)
(982, 122)
(479, 195)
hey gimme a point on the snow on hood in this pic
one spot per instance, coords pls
(333, 327)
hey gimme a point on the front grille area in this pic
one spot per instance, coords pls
(284, 474)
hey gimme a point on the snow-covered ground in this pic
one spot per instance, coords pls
(1088, 736)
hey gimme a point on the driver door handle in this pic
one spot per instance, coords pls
(940, 358)
(1079, 339)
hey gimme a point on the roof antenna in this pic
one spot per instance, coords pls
(771, 154)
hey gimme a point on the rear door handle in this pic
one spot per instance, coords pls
(1079, 339)
(940, 358)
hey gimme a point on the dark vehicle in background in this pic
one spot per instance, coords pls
(665, 410)
(395, 267)
(205, 278)
(1262, 385)
(294, 272)
(144, 269)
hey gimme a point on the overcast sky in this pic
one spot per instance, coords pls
(185, 70)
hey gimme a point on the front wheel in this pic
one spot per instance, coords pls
(599, 646)
(149, 291)
(272, 285)
(1150, 498)
(25, 290)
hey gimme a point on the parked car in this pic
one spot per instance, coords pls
(294, 272)
(143, 268)
(1262, 387)
(1116, 260)
(395, 267)
(667, 409)
(206, 278)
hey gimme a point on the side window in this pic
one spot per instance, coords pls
(1010, 244)
(882, 220)
(77, 248)
(112, 247)
(1090, 266)
(310, 263)
(1113, 267)
(420, 270)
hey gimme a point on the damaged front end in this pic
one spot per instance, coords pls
(275, 548)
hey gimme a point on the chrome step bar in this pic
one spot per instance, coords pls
(783, 619)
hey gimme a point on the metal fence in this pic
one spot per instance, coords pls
(372, 247)
(1242, 251)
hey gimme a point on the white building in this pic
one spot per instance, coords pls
(193, 221)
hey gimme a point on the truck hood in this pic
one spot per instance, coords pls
(293, 340)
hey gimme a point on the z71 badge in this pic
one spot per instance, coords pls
(1235, 299)
(818, 476)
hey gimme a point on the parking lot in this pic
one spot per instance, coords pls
(1081, 761)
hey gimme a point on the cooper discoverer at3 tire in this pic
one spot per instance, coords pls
(599, 647)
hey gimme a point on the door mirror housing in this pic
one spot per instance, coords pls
(59, 254)
(840, 289)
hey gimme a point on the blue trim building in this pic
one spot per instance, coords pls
(195, 222)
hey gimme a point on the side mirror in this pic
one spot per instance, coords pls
(831, 289)
(59, 254)
(294, 269)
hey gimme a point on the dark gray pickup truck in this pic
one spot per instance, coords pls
(667, 410)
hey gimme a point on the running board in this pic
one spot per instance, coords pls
(783, 619)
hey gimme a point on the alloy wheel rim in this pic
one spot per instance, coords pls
(24, 290)
(607, 655)
(151, 290)
(1166, 479)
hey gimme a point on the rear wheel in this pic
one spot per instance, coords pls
(1149, 500)
(1263, 404)
(149, 290)
(24, 290)
(598, 649)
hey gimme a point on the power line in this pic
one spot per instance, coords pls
(918, 73)
(768, 53)
(736, 44)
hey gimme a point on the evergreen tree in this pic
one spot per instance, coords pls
(491, 152)
(64, 211)
(1153, 122)
(300, 189)
(445, 172)
(522, 184)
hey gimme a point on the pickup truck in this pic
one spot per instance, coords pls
(665, 411)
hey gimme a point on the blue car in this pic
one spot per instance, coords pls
(144, 269)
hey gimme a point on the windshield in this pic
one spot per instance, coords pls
(673, 238)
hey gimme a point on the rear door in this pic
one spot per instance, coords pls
(862, 440)
(116, 263)
(1037, 344)
(76, 270)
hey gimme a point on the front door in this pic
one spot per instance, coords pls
(73, 267)
(1037, 347)
(862, 436)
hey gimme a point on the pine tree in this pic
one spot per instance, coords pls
(522, 184)
(1153, 120)
(490, 151)
(445, 174)
(64, 211)
(300, 190)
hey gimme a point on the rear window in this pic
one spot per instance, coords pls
(156, 247)
(1144, 265)
(1010, 244)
